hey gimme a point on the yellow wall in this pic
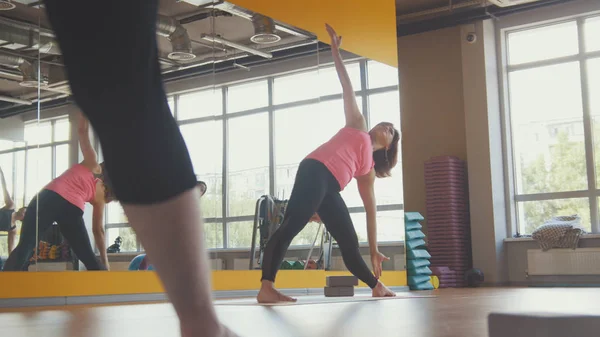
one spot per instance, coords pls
(431, 105)
(368, 28)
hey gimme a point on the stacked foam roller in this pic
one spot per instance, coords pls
(448, 225)
(417, 257)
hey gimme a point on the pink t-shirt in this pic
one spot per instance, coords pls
(348, 154)
(77, 185)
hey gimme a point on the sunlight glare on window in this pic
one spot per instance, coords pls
(592, 34)
(199, 104)
(544, 101)
(62, 130)
(381, 75)
(248, 162)
(544, 43)
(205, 145)
(38, 133)
(247, 96)
(295, 87)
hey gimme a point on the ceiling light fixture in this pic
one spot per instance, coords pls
(6, 5)
(264, 30)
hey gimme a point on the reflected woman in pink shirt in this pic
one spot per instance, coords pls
(63, 201)
(353, 152)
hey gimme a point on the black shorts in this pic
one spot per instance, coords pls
(6, 220)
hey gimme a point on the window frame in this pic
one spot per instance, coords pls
(362, 90)
(522, 22)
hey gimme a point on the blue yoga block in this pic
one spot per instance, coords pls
(413, 216)
(414, 234)
(417, 254)
(413, 264)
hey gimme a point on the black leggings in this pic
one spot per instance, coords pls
(49, 207)
(111, 60)
(316, 190)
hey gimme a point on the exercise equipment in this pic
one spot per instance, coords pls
(448, 220)
(286, 265)
(418, 272)
(474, 277)
(435, 281)
(140, 262)
(340, 286)
(268, 217)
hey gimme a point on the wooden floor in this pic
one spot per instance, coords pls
(446, 312)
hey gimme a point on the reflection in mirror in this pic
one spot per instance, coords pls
(253, 97)
(31, 79)
(12, 184)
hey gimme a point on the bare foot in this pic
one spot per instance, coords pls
(268, 294)
(382, 291)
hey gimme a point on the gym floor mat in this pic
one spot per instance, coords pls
(452, 313)
(319, 299)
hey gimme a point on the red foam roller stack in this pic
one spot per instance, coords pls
(448, 224)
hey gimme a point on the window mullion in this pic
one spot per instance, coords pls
(224, 192)
(588, 130)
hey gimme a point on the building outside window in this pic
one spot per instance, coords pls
(552, 75)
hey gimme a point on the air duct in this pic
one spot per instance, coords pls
(218, 39)
(24, 36)
(15, 100)
(264, 30)
(6, 5)
(28, 69)
(246, 14)
(178, 36)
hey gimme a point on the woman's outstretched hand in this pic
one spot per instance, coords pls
(336, 41)
(377, 259)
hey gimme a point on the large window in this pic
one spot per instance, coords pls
(553, 75)
(28, 166)
(247, 139)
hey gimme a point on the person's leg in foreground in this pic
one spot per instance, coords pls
(126, 105)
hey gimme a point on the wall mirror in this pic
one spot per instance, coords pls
(252, 94)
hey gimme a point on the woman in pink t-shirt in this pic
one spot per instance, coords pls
(353, 152)
(63, 201)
